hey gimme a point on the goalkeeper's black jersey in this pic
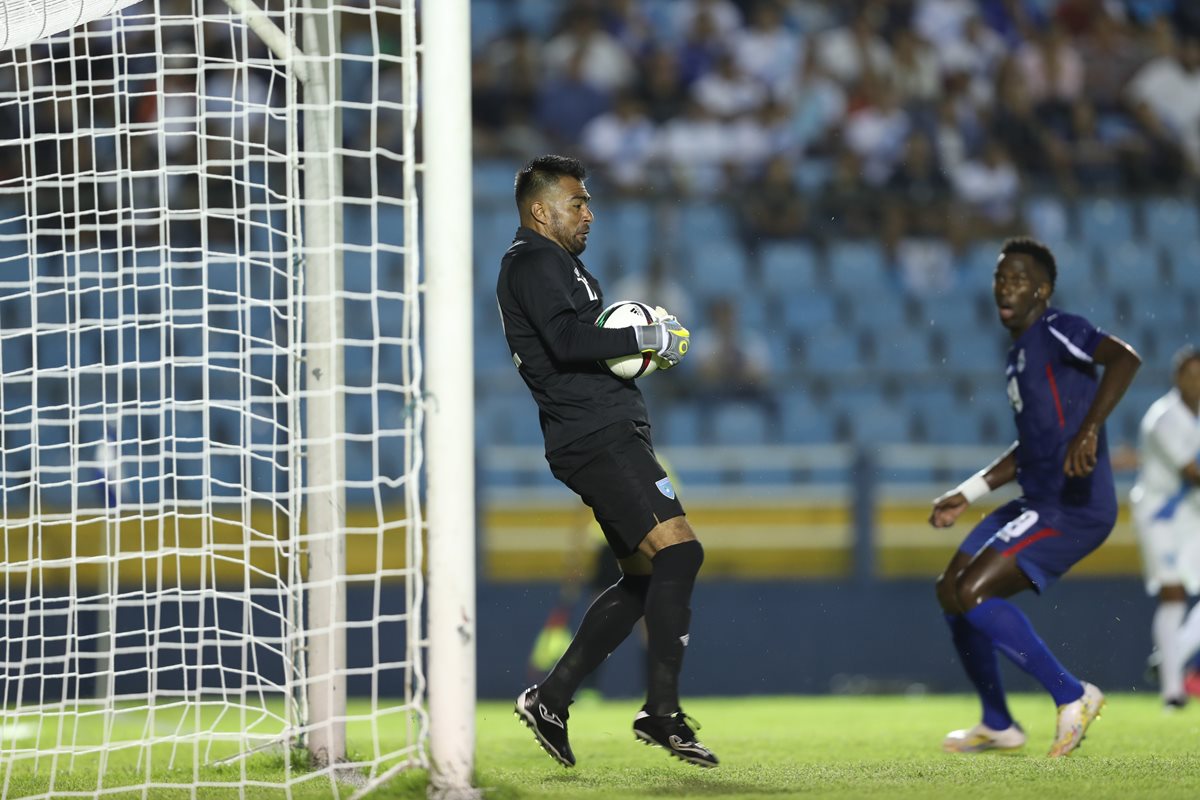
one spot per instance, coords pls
(548, 306)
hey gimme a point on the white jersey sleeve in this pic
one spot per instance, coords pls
(1176, 433)
(1170, 438)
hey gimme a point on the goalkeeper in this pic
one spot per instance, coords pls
(597, 437)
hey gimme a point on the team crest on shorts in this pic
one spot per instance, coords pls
(666, 488)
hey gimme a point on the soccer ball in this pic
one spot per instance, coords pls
(623, 314)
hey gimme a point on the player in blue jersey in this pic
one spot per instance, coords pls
(1068, 507)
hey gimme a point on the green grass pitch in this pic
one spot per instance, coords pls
(849, 747)
(784, 747)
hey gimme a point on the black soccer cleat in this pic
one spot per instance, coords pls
(674, 734)
(549, 725)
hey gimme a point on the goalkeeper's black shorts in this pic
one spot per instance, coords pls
(616, 473)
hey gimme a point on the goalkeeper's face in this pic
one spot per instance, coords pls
(570, 216)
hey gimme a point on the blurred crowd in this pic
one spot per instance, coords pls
(914, 118)
(158, 108)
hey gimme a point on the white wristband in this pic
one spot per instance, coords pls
(974, 487)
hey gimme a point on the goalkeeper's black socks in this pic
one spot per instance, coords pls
(608, 621)
(668, 613)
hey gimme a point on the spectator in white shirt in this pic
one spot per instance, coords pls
(724, 13)
(877, 132)
(604, 63)
(621, 143)
(728, 90)
(1052, 68)
(915, 72)
(1165, 94)
(989, 188)
(693, 148)
(767, 49)
(855, 51)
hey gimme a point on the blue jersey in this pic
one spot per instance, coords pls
(1052, 380)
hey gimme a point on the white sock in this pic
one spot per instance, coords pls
(1187, 638)
(1165, 629)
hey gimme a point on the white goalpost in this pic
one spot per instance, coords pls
(237, 508)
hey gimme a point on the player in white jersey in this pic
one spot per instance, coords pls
(1166, 507)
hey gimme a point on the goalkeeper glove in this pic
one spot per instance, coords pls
(667, 339)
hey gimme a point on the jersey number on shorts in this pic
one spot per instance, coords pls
(1018, 527)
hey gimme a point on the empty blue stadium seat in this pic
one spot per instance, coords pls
(706, 222)
(978, 266)
(738, 424)
(508, 418)
(884, 425)
(1096, 305)
(716, 269)
(16, 354)
(1047, 218)
(391, 220)
(834, 352)
(974, 353)
(681, 427)
(875, 308)
(360, 459)
(224, 279)
(493, 179)
(857, 265)
(625, 235)
(903, 350)
(1162, 311)
(957, 424)
(1185, 267)
(1171, 221)
(489, 19)
(808, 312)
(1132, 267)
(1105, 221)
(358, 272)
(492, 357)
(493, 233)
(951, 316)
(1077, 266)
(789, 267)
(357, 226)
(805, 423)
(859, 400)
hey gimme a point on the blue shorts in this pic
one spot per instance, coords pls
(1046, 540)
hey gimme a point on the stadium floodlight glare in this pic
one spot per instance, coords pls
(213, 411)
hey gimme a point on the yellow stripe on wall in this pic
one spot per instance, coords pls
(773, 540)
(186, 548)
(776, 540)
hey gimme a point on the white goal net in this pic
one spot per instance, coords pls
(210, 401)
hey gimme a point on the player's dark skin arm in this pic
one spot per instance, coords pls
(948, 507)
(1121, 363)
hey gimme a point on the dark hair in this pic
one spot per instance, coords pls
(543, 172)
(1183, 356)
(1040, 253)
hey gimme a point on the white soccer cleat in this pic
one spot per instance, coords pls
(1074, 719)
(981, 738)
